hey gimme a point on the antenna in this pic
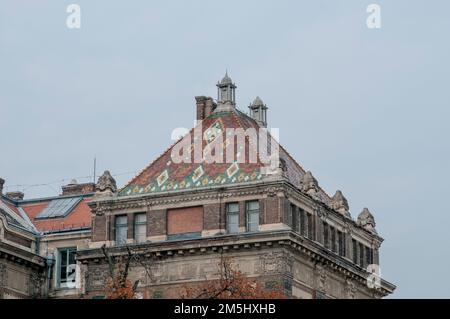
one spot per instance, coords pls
(95, 166)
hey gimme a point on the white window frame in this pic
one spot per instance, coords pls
(249, 213)
(121, 226)
(234, 213)
(137, 225)
(69, 267)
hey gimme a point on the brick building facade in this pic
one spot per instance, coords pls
(181, 215)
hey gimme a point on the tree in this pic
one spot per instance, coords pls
(232, 284)
(118, 286)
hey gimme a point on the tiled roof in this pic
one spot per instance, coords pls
(78, 217)
(164, 174)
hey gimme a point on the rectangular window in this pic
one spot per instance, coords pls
(67, 267)
(333, 239)
(140, 228)
(341, 244)
(302, 222)
(325, 235)
(310, 228)
(361, 255)
(294, 218)
(232, 217)
(121, 229)
(369, 256)
(253, 216)
(355, 251)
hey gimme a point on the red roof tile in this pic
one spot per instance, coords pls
(163, 174)
(79, 217)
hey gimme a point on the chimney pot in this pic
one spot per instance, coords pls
(2, 182)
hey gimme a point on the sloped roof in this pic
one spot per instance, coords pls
(15, 218)
(78, 217)
(164, 174)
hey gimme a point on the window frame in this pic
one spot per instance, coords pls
(369, 255)
(137, 224)
(309, 226)
(361, 254)
(59, 266)
(295, 218)
(341, 243)
(229, 214)
(355, 251)
(326, 235)
(249, 212)
(118, 226)
(333, 239)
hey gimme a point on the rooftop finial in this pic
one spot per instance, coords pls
(106, 184)
(258, 111)
(226, 95)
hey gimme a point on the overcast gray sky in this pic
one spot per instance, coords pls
(366, 110)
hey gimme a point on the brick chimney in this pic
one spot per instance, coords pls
(205, 106)
(73, 188)
(15, 195)
(2, 182)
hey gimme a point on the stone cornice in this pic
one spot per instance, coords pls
(20, 256)
(268, 188)
(261, 240)
(101, 206)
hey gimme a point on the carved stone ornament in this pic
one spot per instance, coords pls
(320, 212)
(367, 221)
(106, 183)
(309, 184)
(36, 280)
(321, 277)
(350, 288)
(339, 203)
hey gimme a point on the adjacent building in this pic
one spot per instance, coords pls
(39, 239)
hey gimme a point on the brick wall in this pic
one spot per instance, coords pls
(185, 220)
(272, 210)
(212, 216)
(156, 222)
(99, 228)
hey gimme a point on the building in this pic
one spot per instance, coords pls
(192, 205)
(39, 239)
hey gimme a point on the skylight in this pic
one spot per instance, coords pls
(59, 208)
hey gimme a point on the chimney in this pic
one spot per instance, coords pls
(205, 106)
(2, 182)
(15, 195)
(73, 188)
